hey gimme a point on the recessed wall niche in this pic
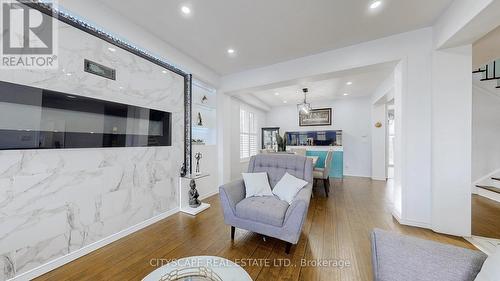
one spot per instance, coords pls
(34, 118)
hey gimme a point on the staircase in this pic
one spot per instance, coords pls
(487, 79)
(489, 187)
(490, 72)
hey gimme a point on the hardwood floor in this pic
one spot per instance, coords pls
(485, 217)
(337, 228)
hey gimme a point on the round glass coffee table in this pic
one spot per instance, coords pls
(199, 268)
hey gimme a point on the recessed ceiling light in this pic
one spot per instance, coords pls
(68, 74)
(349, 83)
(230, 51)
(375, 4)
(284, 101)
(111, 49)
(186, 10)
(276, 94)
(163, 71)
(346, 94)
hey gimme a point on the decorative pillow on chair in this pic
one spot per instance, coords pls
(491, 268)
(256, 184)
(288, 187)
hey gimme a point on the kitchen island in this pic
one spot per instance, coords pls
(337, 167)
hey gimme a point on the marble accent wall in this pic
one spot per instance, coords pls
(53, 202)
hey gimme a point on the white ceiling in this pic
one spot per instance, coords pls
(364, 80)
(266, 32)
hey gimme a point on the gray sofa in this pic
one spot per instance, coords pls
(396, 257)
(269, 215)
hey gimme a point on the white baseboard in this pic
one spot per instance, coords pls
(396, 216)
(488, 194)
(410, 222)
(357, 176)
(53, 264)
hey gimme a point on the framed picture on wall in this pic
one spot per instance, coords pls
(316, 117)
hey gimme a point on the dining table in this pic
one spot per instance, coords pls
(313, 158)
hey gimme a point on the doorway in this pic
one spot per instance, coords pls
(390, 140)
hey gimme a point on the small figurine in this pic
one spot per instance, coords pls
(204, 100)
(183, 170)
(200, 120)
(193, 195)
(198, 156)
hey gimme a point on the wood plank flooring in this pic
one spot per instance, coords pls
(337, 228)
(485, 217)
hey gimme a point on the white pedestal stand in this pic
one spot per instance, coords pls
(184, 195)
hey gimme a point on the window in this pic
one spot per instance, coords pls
(248, 134)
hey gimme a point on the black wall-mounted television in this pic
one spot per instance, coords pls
(34, 118)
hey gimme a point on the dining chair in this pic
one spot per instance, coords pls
(324, 173)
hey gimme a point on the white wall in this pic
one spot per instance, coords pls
(399, 164)
(485, 129)
(385, 91)
(238, 166)
(383, 94)
(351, 115)
(451, 140)
(102, 16)
(378, 149)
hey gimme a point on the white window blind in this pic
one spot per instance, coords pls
(248, 134)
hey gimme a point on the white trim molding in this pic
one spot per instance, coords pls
(410, 222)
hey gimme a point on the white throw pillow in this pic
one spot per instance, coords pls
(491, 268)
(288, 187)
(256, 184)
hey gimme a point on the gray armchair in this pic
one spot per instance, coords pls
(269, 215)
(396, 257)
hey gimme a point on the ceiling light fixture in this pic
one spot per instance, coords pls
(230, 51)
(346, 94)
(186, 10)
(349, 83)
(284, 101)
(111, 49)
(276, 94)
(375, 4)
(304, 107)
(164, 71)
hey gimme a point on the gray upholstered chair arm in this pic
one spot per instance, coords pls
(296, 213)
(233, 193)
(396, 257)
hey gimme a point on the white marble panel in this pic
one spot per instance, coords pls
(53, 202)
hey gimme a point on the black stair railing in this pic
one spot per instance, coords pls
(491, 71)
